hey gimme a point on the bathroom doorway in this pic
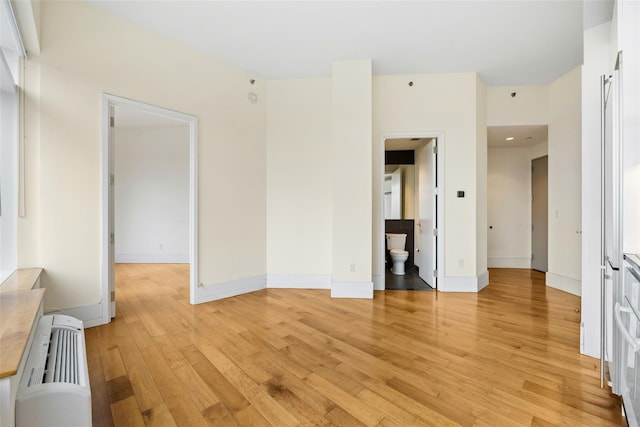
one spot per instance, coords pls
(154, 170)
(410, 208)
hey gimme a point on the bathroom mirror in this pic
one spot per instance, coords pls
(399, 191)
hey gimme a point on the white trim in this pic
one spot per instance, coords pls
(109, 101)
(352, 290)
(91, 315)
(299, 281)
(509, 262)
(465, 284)
(230, 289)
(152, 258)
(483, 280)
(378, 282)
(439, 136)
(563, 283)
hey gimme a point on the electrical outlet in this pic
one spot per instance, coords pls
(352, 268)
(160, 246)
(461, 262)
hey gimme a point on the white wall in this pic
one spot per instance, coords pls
(565, 179)
(86, 52)
(351, 104)
(629, 18)
(152, 194)
(299, 179)
(509, 200)
(530, 106)
(436, 103)
(481, 182)
(8, 182)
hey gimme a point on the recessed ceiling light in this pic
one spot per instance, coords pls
(510, 138)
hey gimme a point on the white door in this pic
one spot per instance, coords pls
(111, 251)
(427, 235)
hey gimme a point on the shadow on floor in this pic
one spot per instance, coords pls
(409, 282)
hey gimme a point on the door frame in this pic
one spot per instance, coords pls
(439, 136)
(108, 102)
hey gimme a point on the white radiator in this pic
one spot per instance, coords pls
(54, 389)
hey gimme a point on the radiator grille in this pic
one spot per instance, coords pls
(62, 359)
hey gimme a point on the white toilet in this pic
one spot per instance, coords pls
(395, 244)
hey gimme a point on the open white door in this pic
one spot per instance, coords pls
(427, 233)
(111, 251)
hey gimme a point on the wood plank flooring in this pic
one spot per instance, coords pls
(507, 356)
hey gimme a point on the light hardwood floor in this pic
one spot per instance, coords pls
(507, 356)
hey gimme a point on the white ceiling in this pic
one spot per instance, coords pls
(515, 42)
(523, 136)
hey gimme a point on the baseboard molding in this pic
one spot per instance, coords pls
(91, 315)
(509, 262)
(299, 281)
(483, 280)
(230, 289)
(563, 283)
(352, 290)
(378, 282)
(152, 258)
(464, 284)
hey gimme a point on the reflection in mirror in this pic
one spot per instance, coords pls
(393, 194)
(399, 192)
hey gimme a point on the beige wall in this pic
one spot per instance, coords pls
(435, 103)
(86, 52)
(530, 106)
(299, 186)
(509, 204)
(565, 179)
(351, 98)
(481, 177)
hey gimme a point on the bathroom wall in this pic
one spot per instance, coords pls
(402, 226)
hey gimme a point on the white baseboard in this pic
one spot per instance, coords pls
(91, 315)
(464, 284)
(378, 282)
(563, 283)
(509, 262)
(299, 281)
(152, 258)
(483, 280)
(230, 289)
(352, 290)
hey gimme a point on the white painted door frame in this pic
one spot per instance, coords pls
(439, 136)
(108, 103)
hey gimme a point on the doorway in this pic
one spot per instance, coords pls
(539, 213)
(110, 106)
(419, 216)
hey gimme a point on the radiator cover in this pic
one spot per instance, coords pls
(54, 389)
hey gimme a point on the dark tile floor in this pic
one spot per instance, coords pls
(409, 282)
